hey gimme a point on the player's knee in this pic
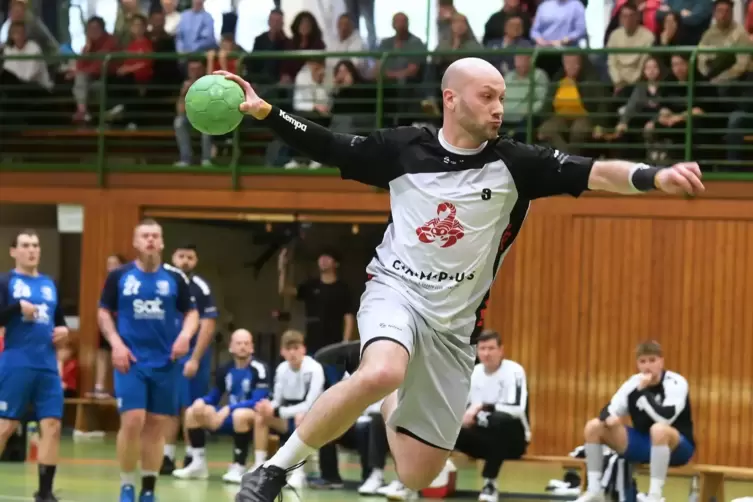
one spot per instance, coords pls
(594, 430)
(50, 429)
(242, 419)
(416, 477)
(662, 433)
(298, 419)
(379, 379)
(7, 428)
(132, 422)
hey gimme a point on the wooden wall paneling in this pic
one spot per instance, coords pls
(108, 229)
(745, 346)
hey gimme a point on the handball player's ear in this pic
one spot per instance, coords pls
(449, 98)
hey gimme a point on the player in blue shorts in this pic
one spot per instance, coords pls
(33, 321)
(245, 381)
(657, 402)
(197, 363)
(148, 297)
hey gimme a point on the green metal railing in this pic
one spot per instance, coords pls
(37, 133)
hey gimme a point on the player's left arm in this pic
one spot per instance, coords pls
(516, 399)
(542, 172)
(60, 331)
(8, 308)
(316, 387)
(186, 304)
(675, 400)
(207, 318)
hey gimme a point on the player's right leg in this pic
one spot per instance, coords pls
(198, 418)
(241, 422)
(131, 391)
(16, 387)
(48, 404)
(597, 434)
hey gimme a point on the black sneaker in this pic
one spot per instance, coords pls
(326, 484)
(345, 355)
(263, 484)
(47, 498)
(488, 493)
(168, 466)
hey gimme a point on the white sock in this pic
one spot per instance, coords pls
(594, 481)
(655, 487)
(490, 481)
(127, 478)
(660, 456)
(189, 451)
(377, 472)
(260, 456)
(169, 451)
(292, 452)
(199, 455)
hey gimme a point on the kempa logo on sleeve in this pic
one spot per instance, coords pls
(296, 125)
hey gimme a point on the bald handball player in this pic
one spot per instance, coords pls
(458, 200)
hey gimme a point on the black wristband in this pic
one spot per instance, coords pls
(643, 177)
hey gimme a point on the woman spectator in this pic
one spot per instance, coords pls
(353, 103)
(460, 39)
(307, 36)
(668, 126)
(223, 59)
(579, 101)
(695, 16)
(513, 39)
(496, 27)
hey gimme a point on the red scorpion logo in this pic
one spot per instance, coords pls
(447, 230)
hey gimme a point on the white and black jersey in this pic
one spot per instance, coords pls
(296, 390)
(504, 390)
(667, 402)
(454, 212)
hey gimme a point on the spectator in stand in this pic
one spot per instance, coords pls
(88, 71)
(68, 369)
(445, 17)
(673, 33)
(695, 16)
(348, 40)
(514, 39)
(460, 39)
(363, 8)
(127, 10)
(496, 26)
(643, 105)
(172, 16)
(196, 70)
(128, 86)
(353, 103)
(311, 98)
(267, 70)
(724, 68)
(578, 100)
(559, 23)
(166, 72)
(749, 20)
(224, 59)
(668, 127)
(647, 10)
(307, 36)
(519, 103)
(195, 31)
(36, 31)
(625, 69)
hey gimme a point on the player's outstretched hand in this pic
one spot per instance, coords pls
(254, 105)
(122, 358)
(682, 178)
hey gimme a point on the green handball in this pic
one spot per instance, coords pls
(213, 105)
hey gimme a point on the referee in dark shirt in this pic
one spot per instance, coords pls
(329, 308)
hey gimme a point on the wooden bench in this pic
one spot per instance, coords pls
(89, 412)
(711, 478)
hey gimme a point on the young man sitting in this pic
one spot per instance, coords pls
(657, 402)
(245, 381)
(299, 380)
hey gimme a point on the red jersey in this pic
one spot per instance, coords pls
(70, 375)
(141, 46)
(107, 43)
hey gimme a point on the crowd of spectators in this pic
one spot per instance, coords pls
(585, 103)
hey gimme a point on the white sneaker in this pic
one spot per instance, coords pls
(393, 486)
(314, 165)
(643, 497)
(591, 497)
(373, 483)
(293, 164)
(297, 479)
(195, 470)
(488, 493)
(402, 493)
(234, 474)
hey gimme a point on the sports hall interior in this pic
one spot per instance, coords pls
(585, 281)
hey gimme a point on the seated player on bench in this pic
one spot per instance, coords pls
(657, 402)
(299, 380)
(496, 423)
(245, 381)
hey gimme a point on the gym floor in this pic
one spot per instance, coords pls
(88, 472)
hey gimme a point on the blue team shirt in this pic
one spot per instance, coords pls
(28, 344)
(148, 306)
(244, 387)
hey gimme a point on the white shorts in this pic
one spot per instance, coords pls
(434, 394)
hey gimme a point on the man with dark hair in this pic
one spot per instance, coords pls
(197, 363)
(657, 402)
(148, 315)
(33, 320)
(496, 425)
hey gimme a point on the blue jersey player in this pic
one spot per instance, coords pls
(245, 381)
(148, 297)
(33, 321)
(197, 364)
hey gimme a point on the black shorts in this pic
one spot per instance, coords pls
(502, 436)
(104, 344)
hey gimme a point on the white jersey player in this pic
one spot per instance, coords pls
(458, 200)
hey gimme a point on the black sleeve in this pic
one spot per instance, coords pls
(9, 307)
(371, 159)
(184, 300)
(541, 171)
(60, 318)
(302, 290)
(109, 298)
